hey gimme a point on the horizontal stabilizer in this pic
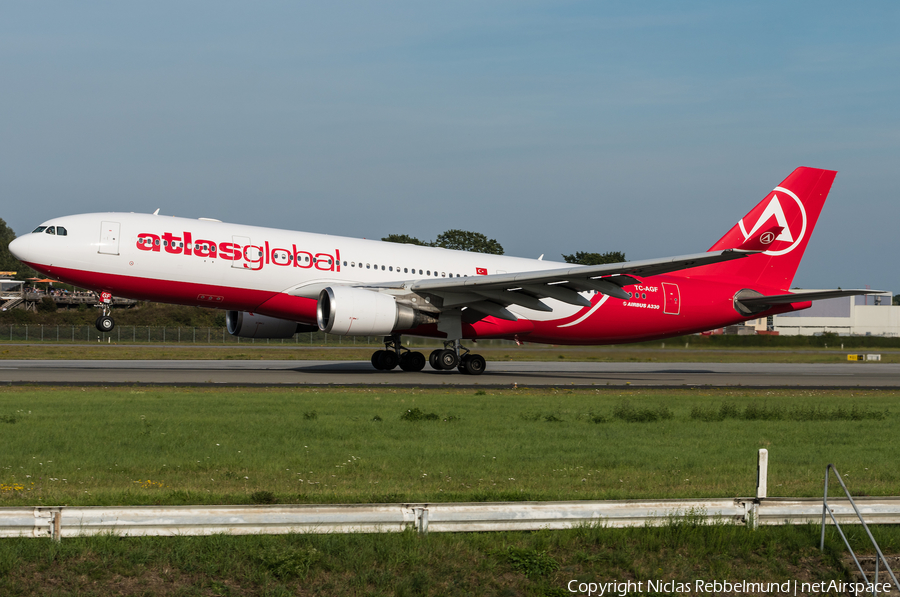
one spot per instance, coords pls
(801, 296)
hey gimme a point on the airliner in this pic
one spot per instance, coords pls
(275, 283)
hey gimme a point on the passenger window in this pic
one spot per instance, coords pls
(429, 272)
(420, 272)
(390, 269)
(60, 231)
(405, 271)
(443, 274)
(156, 242)
(345, 264)
(38, 229)
(367, 266)
(382, 268)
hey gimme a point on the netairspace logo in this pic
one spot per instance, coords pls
(719, 587)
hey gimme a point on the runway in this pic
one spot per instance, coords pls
(498, 374)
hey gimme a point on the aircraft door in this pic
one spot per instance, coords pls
(109, 238)
(672, 298)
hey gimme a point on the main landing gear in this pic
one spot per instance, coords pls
(442, 359)
(395, 354)
(449, 358)
(105, 322)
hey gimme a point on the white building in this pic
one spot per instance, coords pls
(872, 315)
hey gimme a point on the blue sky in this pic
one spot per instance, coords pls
(648, 128)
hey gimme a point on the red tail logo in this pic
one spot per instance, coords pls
(782, 206)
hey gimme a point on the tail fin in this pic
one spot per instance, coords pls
(794, 205)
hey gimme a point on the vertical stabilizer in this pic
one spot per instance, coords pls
(793, 206)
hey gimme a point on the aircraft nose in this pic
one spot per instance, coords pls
(23, 248)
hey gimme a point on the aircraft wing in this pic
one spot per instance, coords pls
(491, 294)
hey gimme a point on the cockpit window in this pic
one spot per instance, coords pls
(57, 230)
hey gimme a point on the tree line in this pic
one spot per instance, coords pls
(464, 240)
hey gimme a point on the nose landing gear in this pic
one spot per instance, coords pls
(105, 322)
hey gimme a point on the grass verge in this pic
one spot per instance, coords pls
(539, 563)
(111, 446)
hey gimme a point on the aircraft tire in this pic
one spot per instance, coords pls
(474, 364)
(434, 360)
(388, 360)
(412, 361)
(376, 359)
(448, 360)
(105, 323)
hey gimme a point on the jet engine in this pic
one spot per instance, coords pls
(347, 311)
(254, 325)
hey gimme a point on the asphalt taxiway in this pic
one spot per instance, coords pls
(522, 374)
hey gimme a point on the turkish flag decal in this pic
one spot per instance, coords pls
(481, 271)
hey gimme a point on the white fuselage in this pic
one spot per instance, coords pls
(246, 261)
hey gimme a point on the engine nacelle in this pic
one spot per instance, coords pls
(347, 311)
(253, 325)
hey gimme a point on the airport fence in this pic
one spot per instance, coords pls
(135, 334)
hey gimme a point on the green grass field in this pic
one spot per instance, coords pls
(406, 564)
(95, 446)
(90, 446)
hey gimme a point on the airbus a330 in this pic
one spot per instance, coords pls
(274, 283)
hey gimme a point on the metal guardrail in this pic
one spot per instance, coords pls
(140, 521)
